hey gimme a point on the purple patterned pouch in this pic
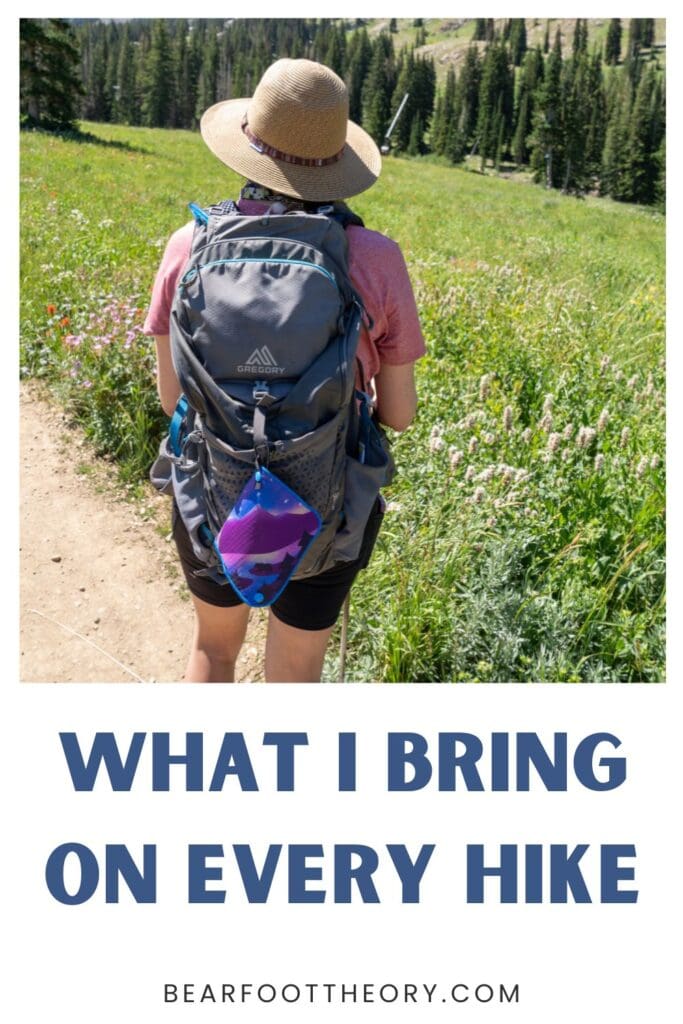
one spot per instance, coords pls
(264, 538)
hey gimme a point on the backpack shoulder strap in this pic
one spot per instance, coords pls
(342, 214)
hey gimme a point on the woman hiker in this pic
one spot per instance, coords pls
(295, 146)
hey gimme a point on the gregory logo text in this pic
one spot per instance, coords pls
(261, 360)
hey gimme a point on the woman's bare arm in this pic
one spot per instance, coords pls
(168, 385)
(396, 396)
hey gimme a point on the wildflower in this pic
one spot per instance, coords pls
(632, 381)
(393, 506)
(484, 385)
(546, 422)
(488, 438)
(473, 445)
(435, 442)
(619, 375)
(64, 322)
(641, 467)
(650, 386)
(491, 522)
(554, 441)
(654, 462)
(586, 437)
(436, 429)
(479, 495)
(487, 474)
(73, 340)
(86, 384)
(51, 310)
(625, 435)
(603, 420)
(548, 403)
(507, 418)
(604, 363)
(566, 454)
(469, 473)
(455, 457)
(526, 435)
(521, 475)
(599, 462)
(568, 431)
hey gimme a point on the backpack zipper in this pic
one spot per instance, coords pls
(193, 271)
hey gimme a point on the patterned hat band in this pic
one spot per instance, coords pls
(262, 147)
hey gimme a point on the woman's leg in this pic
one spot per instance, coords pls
(294, 655)
(216, 643)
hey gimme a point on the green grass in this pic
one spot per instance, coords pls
(537, 554)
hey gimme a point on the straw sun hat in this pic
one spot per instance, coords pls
(294, 135)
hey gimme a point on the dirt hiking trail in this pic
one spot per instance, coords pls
(102, 598)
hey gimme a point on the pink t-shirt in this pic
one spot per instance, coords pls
(377, 270)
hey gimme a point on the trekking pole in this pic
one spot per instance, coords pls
(344, 637)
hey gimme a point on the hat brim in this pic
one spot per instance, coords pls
(356, 170)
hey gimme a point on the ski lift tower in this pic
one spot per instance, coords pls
(386, 145)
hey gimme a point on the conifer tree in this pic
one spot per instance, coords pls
(530, 78)
(547, 137)
(126, 107)
(359, 58)
(518, 45)
(614, 179)
(49, 81)
(643, 171)
(467, 97)
(496, 101)
(159, 84)
(613, 42)
(206, 84)
(377, 89)
(647, 33)
(479, 33)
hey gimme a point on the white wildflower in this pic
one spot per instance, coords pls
(487, 474)
(455, 456)
(650, 386)
(599, 462)
(603, 420)
(507, 418)
(604, 363)
(546, 423)
(632, 381)
(435, 443)
(654, 462)
(436, 431)
(554, 441)
(641, 467)
(469, 473)
(526, 435)
(473, 445)
(619, 375)
(521, 475)
(625, 435)
(586, 437)
(393, 506)
(479, 495)
(548, 403)
(568, 432)
(484, 385)
(488, 438)
(566, 454)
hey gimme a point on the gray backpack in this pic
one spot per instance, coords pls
(264, 331)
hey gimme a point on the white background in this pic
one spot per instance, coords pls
(107, 963)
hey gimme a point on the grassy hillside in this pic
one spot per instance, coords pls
(449, 38)
(525, 536)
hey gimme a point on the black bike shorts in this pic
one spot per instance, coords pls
(312, 603)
